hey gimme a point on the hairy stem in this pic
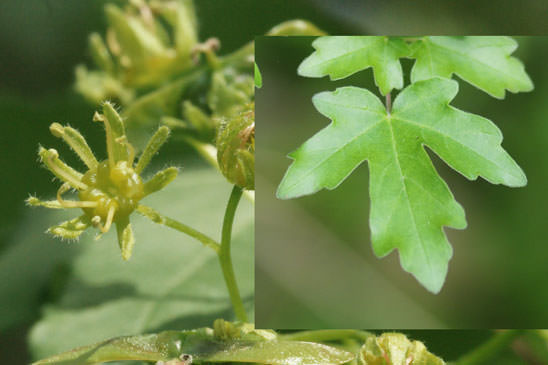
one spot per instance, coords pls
(388, 104)
(181, 227)
(485, 353)
(225, 258)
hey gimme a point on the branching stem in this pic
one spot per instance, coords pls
(222, 250)
(181, 227)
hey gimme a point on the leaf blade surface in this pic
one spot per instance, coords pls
(342, 56)
(410, 203)
(484, 62)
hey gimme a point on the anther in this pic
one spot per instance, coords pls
(96, 221)
(98, 117)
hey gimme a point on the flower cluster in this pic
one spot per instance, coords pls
(110, 190)
(146, 42)
(396, 349)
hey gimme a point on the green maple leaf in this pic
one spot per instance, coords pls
(243, 344)
(341, 56)
(484, 62)
(410, 203)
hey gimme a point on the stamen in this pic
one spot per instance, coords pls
(97, 117)
(96, 221)
(50, 158)
(110, 217)
(71, 203)
(130, 150)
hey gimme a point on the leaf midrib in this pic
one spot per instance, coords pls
(403, 178)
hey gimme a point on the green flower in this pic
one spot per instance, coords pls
(109, 191)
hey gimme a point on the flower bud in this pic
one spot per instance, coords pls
(236, 148)
(230, 90)
(396, 349)
(146, 42)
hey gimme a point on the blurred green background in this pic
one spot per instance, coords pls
(41, 41)
(314, 264)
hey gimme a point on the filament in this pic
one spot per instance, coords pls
(130, 150)
(72, 203)
(110, 217)
(96, 221)
(110, 148)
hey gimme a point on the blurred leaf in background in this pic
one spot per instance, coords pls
(171, 281)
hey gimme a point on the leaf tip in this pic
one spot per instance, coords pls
(307, 68)
(303, 70)
(518, 180)
(281, 192)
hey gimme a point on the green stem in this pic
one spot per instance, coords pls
(224, 254)
(485, 353)
(181, 227)
(326, 335)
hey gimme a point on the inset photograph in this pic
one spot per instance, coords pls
(400, 182)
